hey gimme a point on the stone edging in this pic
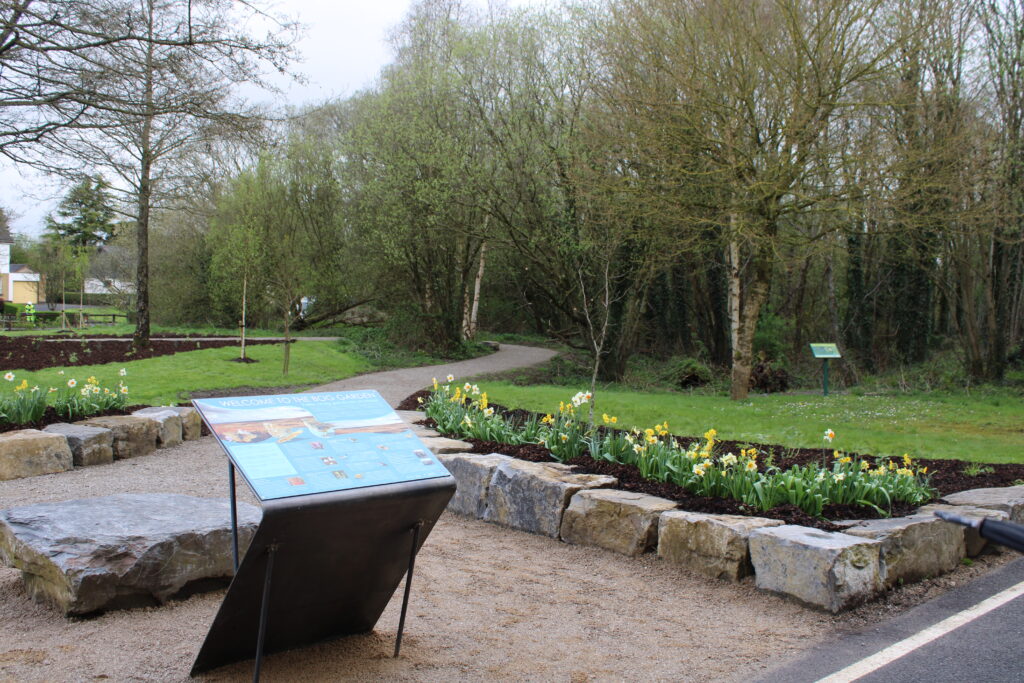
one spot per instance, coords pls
(95, 441)
(828, 570)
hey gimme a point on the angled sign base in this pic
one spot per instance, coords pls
(325, 561)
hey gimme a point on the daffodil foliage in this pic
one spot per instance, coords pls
(26, 405)
(702, 468)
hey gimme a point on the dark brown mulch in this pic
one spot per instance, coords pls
(946, 476)
(411, 402)
(36, 353)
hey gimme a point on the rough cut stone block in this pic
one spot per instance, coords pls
(120, 551)
(30, 452)
(472, 477)
(89, 445)
(622, 521)
(973, 541)
(828, 570)
(532, 496)
(191, 421)
(915, 547)
(1009, 499)
(441, 444)
(713, 545)
(170, 431)
(133, 436)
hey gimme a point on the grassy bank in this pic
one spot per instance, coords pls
(980, 428)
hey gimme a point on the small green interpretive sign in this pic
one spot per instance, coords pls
(825, 351)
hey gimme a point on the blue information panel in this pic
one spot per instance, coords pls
(298, 444)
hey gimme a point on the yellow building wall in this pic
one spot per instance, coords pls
(24, 292)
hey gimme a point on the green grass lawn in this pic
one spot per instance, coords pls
(982, 428)
(168, 379)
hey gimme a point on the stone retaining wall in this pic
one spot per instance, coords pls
(94, 441)
(827, 570)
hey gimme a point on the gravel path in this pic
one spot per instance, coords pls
(489, 603)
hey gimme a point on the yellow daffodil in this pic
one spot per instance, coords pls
(906, 460)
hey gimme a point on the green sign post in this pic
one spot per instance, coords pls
(825, 351)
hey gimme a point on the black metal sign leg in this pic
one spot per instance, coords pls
(234, 514)
(264, 607)
(408, 585)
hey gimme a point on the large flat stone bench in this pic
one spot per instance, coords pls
(125, 550)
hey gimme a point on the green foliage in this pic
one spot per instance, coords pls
(700, 469)
(89, 215)
(771, 336)
(24, 406)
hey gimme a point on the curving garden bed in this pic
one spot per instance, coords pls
(945, 476)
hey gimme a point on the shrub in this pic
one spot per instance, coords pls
(685, 372)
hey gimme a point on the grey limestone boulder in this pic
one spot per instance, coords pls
(532, 496)
(169, 432)
(1009, 499)
(713, 545)
(89, 445)
(622, 521)
(133, 435)
(915, 547)
(832, 571)
(974, 543)
(473, 475)
(442, 444)
(30, 452)
(120, 551)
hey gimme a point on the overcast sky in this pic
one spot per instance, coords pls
(343, 49)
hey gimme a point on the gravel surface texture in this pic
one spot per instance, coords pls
(488, 603)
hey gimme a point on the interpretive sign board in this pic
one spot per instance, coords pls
(300, 444)
(349, 495)
(825, 351)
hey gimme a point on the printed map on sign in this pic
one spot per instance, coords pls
(297, 444)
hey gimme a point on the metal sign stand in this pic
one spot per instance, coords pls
(825, 351)
(321, 565)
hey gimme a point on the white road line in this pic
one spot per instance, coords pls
(907, 645)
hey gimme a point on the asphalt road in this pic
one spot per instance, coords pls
(988, 647)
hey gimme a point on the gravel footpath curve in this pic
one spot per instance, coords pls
(395, 385)
(489, 603)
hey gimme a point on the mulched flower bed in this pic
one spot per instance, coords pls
(50, 417)
(39, 353)
(947, 476)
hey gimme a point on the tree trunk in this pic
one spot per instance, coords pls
(734, 317)
(476, 294)
(754, 294)
(245, 282)
(287, 342)
(141, 336)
